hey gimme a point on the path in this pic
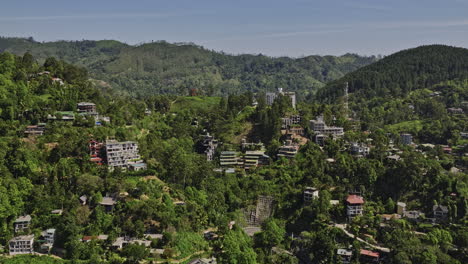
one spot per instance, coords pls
(343, 227)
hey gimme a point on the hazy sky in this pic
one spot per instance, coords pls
(271, 27)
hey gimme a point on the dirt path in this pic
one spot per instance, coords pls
(343, 227)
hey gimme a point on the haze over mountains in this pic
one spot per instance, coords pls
(164, 68)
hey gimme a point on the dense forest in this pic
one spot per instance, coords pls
(182, 69)
(188, 207)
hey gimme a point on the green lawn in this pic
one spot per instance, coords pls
(407, 126)
(196, 103)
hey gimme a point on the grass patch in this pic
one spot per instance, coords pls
(413, 126)
(195, 103)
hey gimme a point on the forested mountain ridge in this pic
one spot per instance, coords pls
(400, 73)
(164, 68)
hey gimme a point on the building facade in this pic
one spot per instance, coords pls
(21, 245)
(122, 154)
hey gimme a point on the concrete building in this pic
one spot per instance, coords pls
(354, 206)
(254, 159)
(344, 255)
(22, 223)
(457, 111)
(368, 256)
(85, 107)
(440, 212)
(21, 245)
(229, 158)
(323, 131)
(208, 146)
(406, 139)
(95, 151)
(108, 203)
(359, 149)
(270, 97)
(35, 130)
(310, 193)
(289, 121)
(401, 208)
(122, 154)
(288, 150)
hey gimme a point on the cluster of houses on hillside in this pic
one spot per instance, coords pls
(24, 243)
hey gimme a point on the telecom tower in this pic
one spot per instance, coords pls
(346, 100)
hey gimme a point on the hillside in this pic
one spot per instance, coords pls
(400, 73)
(163, 68)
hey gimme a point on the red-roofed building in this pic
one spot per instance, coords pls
(368, 256)
(354, 206)
(95, 151)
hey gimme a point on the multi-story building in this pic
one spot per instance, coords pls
(440, 212)
(310, 193)
(85, 107)
(229, 158)
(322, 130)
(49, 236)
(208, 146)
(122, 154)
(359, 149)
(354, 206)
(289, 121)
(344, 255)
(288, 150)
(35, 130)
(254, 159)
(21, 245)
(95, 151)
(270, 97)
(406, 139)
(21, 223)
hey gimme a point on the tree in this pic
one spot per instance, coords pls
(236, 248)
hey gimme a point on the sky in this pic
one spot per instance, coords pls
(293, 28)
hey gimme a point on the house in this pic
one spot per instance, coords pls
(48, 238)
(21, 223)
(122, 154)
(121, 242)
(35, 130)
(322, 131)
(406, 139)
(456, 111)
(288, 150)
(359, 149)
(99, 237)
(367, 256)
(57, 212)
(440, 212)
(203, 261)
(252, 145)
(147, 112)
(21, 245)
(344, 255)
(229, 158)
(354, 206)
(254, 159)
(95, 151)
(270, 97)
(464, 135)
(310, 194)
(401, 208)
(208, 146)
(413, 215)
(108, 203)
(85, 107)
(83, 199)
(62, 116)
(138, 166)
(388, 217)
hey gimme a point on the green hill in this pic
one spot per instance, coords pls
(400, 73)
(161, 67)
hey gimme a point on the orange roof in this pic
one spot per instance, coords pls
(354, 199)
(369, 253)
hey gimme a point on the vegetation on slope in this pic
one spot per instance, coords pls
(163, 68)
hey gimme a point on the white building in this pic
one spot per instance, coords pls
(270, 97)
(21, 245)
(310, 194)
(21, 223)
(122, 154)
(359, 149)
(291, 120)
(354, 206)
(320, 128)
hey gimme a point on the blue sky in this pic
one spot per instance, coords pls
(276, 28)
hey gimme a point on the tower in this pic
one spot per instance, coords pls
(346, 100)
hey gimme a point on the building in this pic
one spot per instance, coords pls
(256, 158)
(35, 130)
(95, 151)
(208, 146)
(406, 139)
(108, 203)
(354, 206)
(288, 150)
(401, 208)
(49, 236)
(344, 255)
(229, 158)
(320, 139)
(85, 107)
(440, 212)
(413, 215)
(121, 242)
(289, 121)
(21, 245)
(320, 128)
(203, 261)
(464, 135)
(83, 199)
(22, 223)
(62, 116)
(252, 145)
(122, 154)
(310, 194)
(359, 149)
(137, 166)
(457, 111)
(368, 256)
(270, 97)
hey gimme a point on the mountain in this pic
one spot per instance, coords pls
(164, 68)
(401, 73)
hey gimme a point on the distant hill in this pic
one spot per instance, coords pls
(164, 68)
(401, 73)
